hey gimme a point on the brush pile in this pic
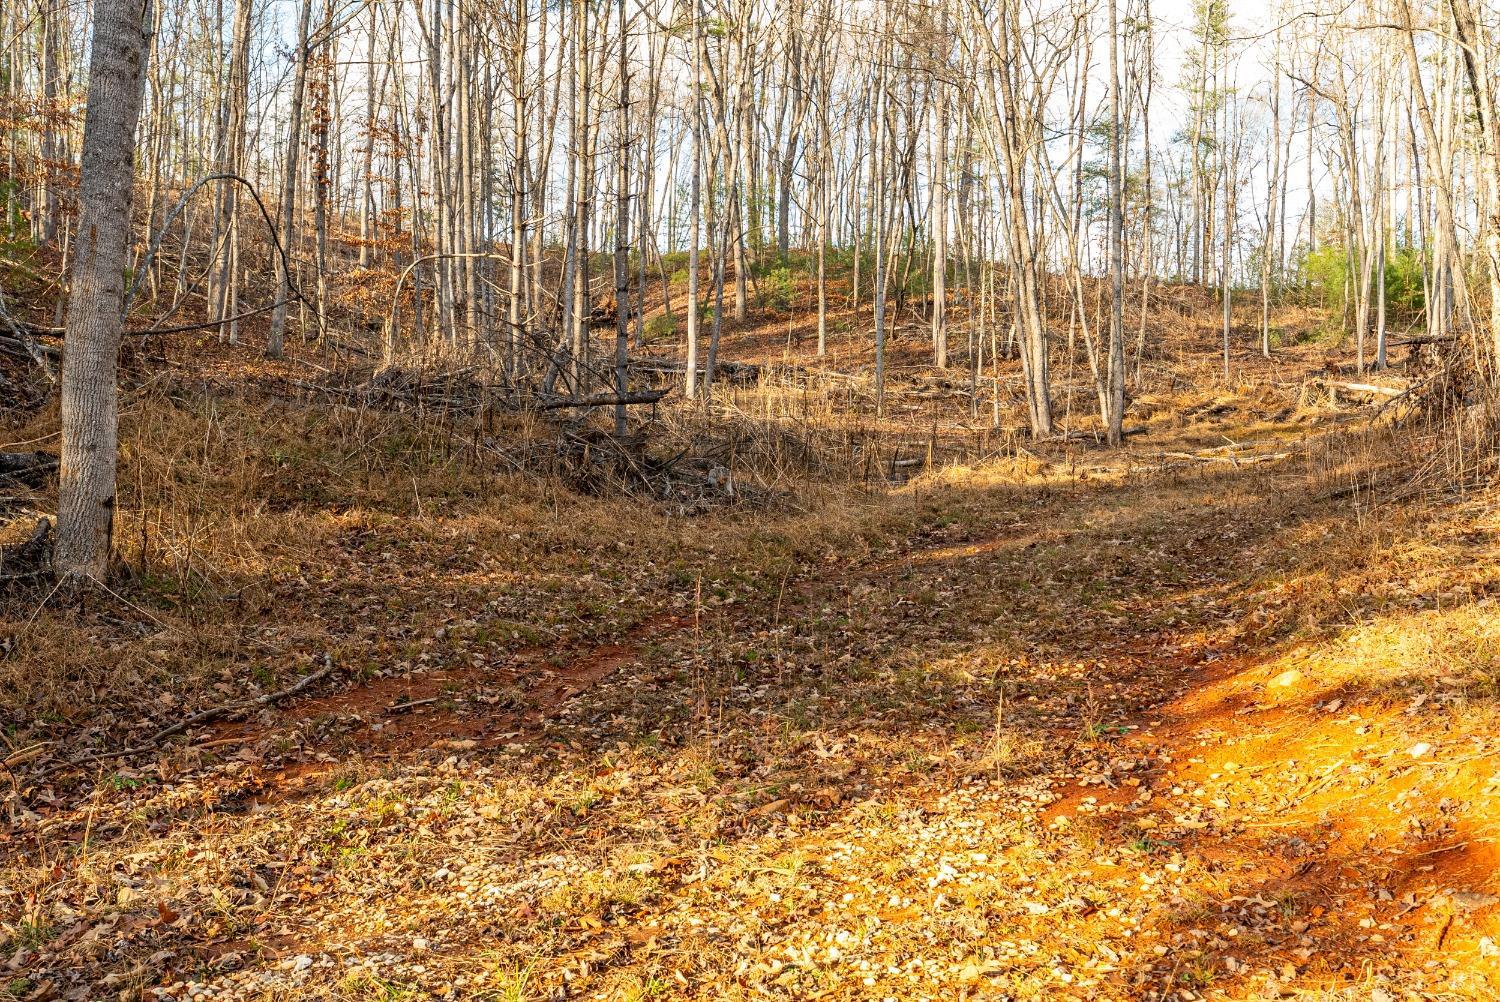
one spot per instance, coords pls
(455, 391)
(593, 462)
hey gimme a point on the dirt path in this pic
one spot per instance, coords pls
(493, 703)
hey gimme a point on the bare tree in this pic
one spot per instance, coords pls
(90, 406)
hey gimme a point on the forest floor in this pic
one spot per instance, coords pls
(1211, 717)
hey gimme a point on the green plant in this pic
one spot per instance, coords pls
(1323, 274)
(514, 985)
(661, 327)
(31, 934)
(367, 987)
(777, 290)
(1404, 289)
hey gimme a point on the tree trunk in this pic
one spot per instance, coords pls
(1114, 416)
(274, 341)
(622, 233)
(90, 406)
(940, 234)
(1475, 52)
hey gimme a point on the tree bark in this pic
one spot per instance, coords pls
(275, 340)
(90, 405)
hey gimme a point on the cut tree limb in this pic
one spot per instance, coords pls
(736, 371)
(601, 400)
(26, 466)
(198, 719)
(1384, 391)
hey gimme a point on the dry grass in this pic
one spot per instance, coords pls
(944, 713)
(251, 524)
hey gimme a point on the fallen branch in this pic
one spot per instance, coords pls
(198, 719)
(269, 699)
(22, 465)
(1385, 391)
(1232, 460)
(601, 400)
(24, 348)
(1423, 339)
(26, 754)
(735, 371)
(24, 327)
(411, 704)
(1092, 436)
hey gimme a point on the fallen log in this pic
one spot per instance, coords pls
(1096, 435)
(600, 400)
(26, 467)
(1385, 391)
(1268, 457)
(1421, 340)
(737, 371)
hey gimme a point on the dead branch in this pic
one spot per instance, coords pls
(1421, 340)
(27, 467)
(601, 400)
(738, 372)
(1230, 459)
(1092, 436)
(197, 720)
(269, 699)
(1385, 391)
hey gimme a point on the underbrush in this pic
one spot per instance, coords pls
(879, 700)
(258, 534)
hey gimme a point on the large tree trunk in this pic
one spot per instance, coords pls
(877, 161)
(90, 414)
(223, 294)
(515, 315)
(51, 40)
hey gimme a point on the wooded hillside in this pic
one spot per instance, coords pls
(798, 499)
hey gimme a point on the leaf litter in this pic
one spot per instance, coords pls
(1066, 741)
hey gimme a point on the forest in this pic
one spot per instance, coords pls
(529, 500)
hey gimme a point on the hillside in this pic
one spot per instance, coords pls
(904, 708)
